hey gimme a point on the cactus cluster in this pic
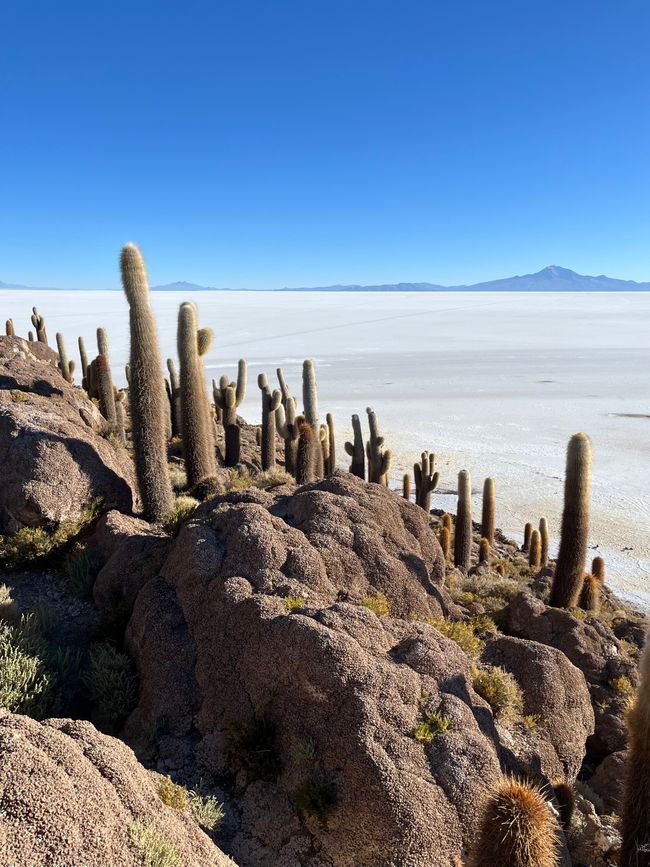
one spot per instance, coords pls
(379, 458)
(228, 396)
(426, 480)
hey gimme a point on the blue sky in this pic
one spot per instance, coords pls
(264, 143)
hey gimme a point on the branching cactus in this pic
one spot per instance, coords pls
(598, 570)
(197, 427)
(39, 324)
(635, 824)
(65, 365)
(356, 450)
(543, 536)
(284, 388)
(9, 328)
(426, 480)
(487, 515)
(228, 396)
(379, 458)
(570, 568)
(270, 402)
(535, 550)
(463, 534)
(106, 392)
(147, 391)
(518, 829)
(289, 430)
(174, 397)
(83, 357)
(406, 486)
(305, 456)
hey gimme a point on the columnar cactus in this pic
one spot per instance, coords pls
(65, 365)
(487, 515)
(543, 535)
(174, 396)
(426, 480)
(598, 570)
(30, 336)
(147, 391)
(120, 415)
(535, 550)
(83, 357)
(590, 594)
(518, 829)
(39, 324)
(227, 397)
(105, 392)
(305, 457)
(102, 343)
(406, 486)
(463, 534)
(197, 428)
(528, 530)
(379, 458)
(284, 388)
(483, 550)
(288, 428)
(448, 522)
(310, 404)
(570, 568)
(9, 328)
(635, 823)
(356, 450)
(270, 402)
(445, 542)
(330, 466)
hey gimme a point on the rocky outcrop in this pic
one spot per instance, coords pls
(53, 460)
(70, 795)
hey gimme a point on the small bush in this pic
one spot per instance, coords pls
(172, 795)
(532, 721)
(184, 507)
(251, 748)
(434, 723)
(240, 480)
(153, 847)
(621, 685)
(8, 609)
(81, 570)
(112, 685)
(378, 604)
(19, 397)
(304, 750)
(500, 690)
(177, 477)
(205, 809)
(316, 797)
(24, 681)
(293, 602)
(462, 632)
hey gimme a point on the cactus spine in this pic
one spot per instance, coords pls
(528, 531)
(487, 515)
(9, 328)
(198, 437)
(39, 324)
(426, 480)
(463, 534)
(543, 535)
(65, 365)
(379, 458)
(227, 397)
(535, 550)
(147, 390)
(569, 571)
(105, 392)
(270, 402)
(518, 829)
(356, 451)
(598, 570)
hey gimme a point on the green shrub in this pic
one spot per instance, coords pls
(293, 602)
(172, 795)
(434, 723)
(81, 570)
(621, 685)
(8, 610)
(184, 507)
(500, 690)
(154, 849)
(205, 809)
(378, 604)
(460, 631)
(316, 797)
(251, 748)
(24, 681)
(112, 685)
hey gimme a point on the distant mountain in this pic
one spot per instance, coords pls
(551, 279)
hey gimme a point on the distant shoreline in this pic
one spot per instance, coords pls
(359, 290)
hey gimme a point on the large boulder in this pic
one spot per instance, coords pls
(254, 652)
(53, 460)
(70, 795)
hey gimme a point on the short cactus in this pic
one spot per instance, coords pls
(30, 336)
(270, 402)
(445, 542)
(330, 466)
(39, 324)
(305, 456)
(228, 396)
(590, 594)
(406, 486)
(569, 571)
(379, 458)
(598, 570)
(535, 550)
(447, 522)
(106, 393)
(487, 515)
(426, 480)
(147, 391)
(463, 534)
(528, 531)
(120, 416)
(518, 829)
(356, 450)
(484, 550)
(66, 366)
(9, 328)
(197, 427)
(543, 535)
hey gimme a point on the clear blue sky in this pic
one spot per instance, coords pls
(264, 143)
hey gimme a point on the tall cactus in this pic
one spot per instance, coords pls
(106, 392)
(570, 568)
(9, 328)
(66, 366)
(331, 445)
(543, 536)
(289, 429)
(198, 437)
(83, 357)
(535, 550)
(270, 402)
(635, 825)
(487, 514)
(147, 391)
(305, 456)
(426, 480)
(356, 450)
(102, 343)
(310, 404)
(518, 829)
(379, 458)
(174, 396)
(228, 396)
(528, 531)
(463, 534)
(39, 324)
